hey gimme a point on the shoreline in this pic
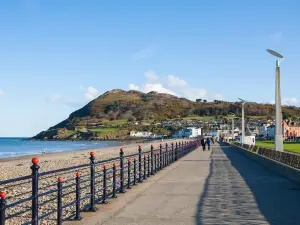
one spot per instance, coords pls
(20, 166)
(41, 153)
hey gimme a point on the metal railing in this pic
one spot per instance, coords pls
(60, 195)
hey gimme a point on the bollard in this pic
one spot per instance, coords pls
(160, 156)
(92, 207)
(134, 171)
(104, 197)
(35, 189)
(172, 155)
(128, 174)
(59, 201)
(114, 194)
(122, 171)
(152, 166)
(140, 164)
(148, 165)
(77, 215)
(2, 207)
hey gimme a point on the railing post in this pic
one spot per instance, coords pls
(176, 151)
(35, 189)
(114, 185)
(152, 166)
(59, 201)
(182, 146)
(160, 156)
(134, 171)
(128, 174)
(155, 165)
(167, 155)
(140, 164)
(104, 197)
(2, 207)
(145, 167)
(77, 216)
(172, 155)
(92, 183)
(122, 171)
(148, 165)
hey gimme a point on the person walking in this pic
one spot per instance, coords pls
(208, 141)
(203, 143)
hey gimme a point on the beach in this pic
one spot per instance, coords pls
(20, 166)
(16, 167)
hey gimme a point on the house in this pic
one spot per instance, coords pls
(290, 130)
(140, 134)
(189, 132)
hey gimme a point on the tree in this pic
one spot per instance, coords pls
(199, 100)
(131, 119)
(204, 100)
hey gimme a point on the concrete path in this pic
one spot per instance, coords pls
(217, 187)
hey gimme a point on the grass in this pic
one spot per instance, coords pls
(204, 118)
(105, 130)
(287, 146)
(70, 132)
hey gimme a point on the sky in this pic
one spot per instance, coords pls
(56, 56)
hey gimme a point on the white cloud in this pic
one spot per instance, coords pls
(287, 102)
(151, 77)
(90, 93)
(1, 93)
(158, 88)
(176, 82)
(133, 87)
(174, 85)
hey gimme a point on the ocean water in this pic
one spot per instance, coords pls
(14, 147)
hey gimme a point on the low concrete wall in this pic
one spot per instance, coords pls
(287, 171)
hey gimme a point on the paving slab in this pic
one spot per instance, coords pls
(221, 186)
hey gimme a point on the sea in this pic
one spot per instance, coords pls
(14, 147)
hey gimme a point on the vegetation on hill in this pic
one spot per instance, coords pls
(117, 107)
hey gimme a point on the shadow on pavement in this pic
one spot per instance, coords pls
(241, 191)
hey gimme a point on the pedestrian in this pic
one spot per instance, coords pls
(203, 143)
(208, 141)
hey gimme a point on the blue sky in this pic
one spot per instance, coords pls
(57, 55)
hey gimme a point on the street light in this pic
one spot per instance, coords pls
(232, 123)
(243, 119)
(278, 117)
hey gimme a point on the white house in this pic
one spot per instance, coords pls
(140, 134)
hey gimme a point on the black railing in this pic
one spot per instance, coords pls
(60, 195)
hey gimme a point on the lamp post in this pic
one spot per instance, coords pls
(278, 117)
(232, 124)
(243, 119)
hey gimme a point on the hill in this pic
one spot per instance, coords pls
(116, 107)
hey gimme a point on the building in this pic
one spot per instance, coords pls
(263, 130)
(189, 132)
(290, 130)
(140, 134)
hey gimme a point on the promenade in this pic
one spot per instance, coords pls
(221, 186)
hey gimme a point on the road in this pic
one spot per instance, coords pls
(221, 186)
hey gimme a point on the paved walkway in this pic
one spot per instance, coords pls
(217, 187)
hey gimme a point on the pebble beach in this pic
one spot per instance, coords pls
(16, 167)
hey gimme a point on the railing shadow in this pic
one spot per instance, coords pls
(239, 190)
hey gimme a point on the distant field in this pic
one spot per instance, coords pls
(288, 146)
(205, 118)
(104, 130)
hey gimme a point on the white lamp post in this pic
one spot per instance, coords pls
(243, 119)
(232, 123)
(278, 117)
